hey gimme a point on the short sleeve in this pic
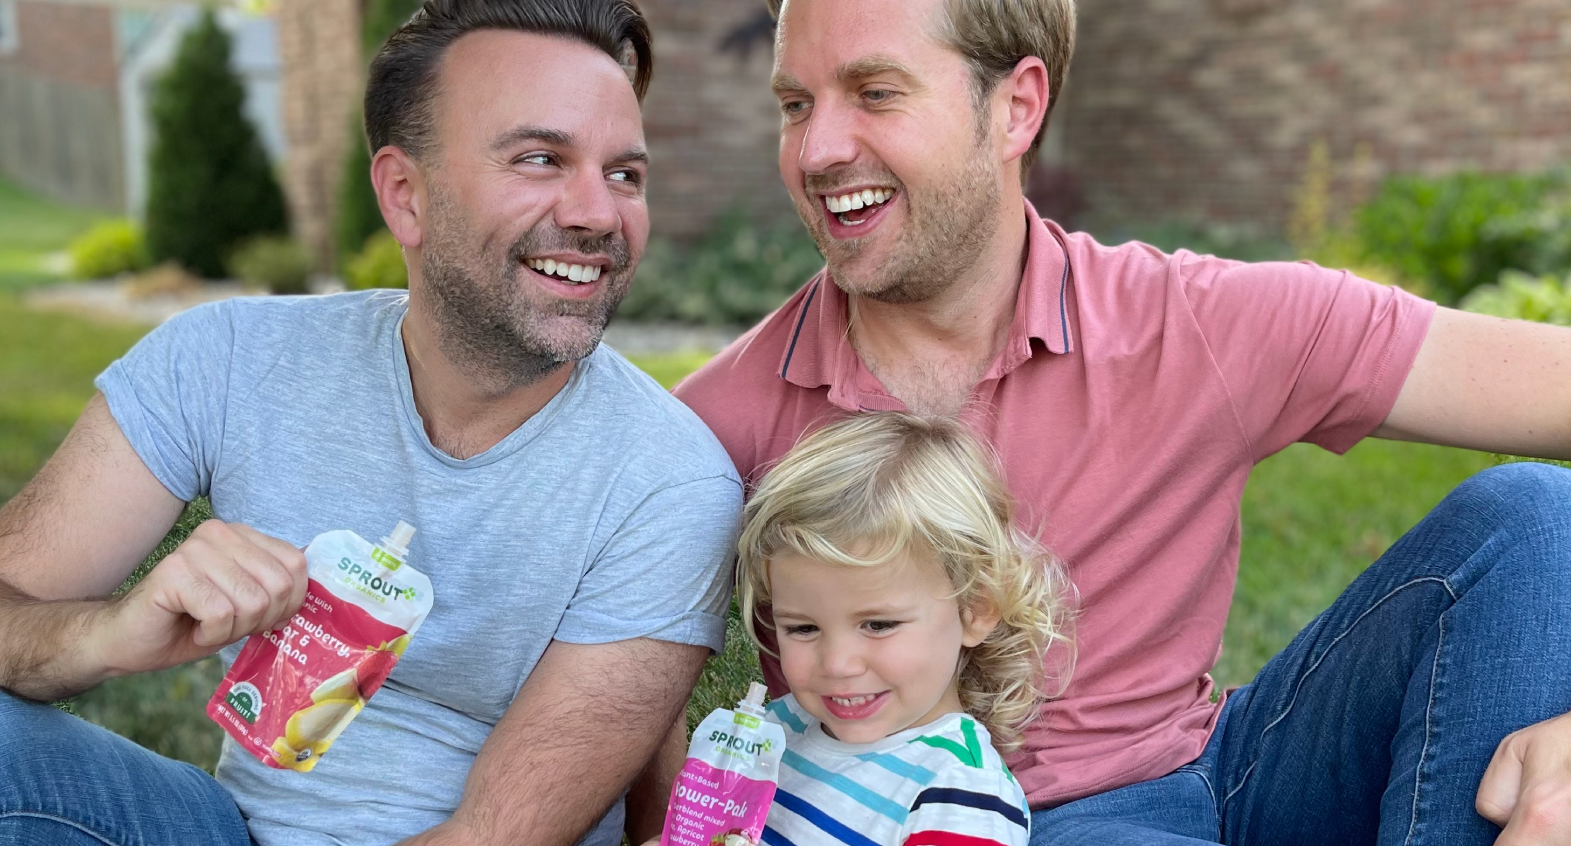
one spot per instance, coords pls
(1306, 353)
(168, 395)
(968, 806)
(665, 573)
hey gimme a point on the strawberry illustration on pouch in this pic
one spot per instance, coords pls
(292, 691)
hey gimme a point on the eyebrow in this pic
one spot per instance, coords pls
(870, 66)
(532, 133)
(558, 138)
(850, 71)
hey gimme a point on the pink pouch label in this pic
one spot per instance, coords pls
(709, 805)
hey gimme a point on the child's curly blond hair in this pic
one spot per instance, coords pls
(862, 491)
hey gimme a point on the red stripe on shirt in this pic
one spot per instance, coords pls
(947, 838)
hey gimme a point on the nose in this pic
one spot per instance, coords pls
(841, 658)
(587, 205)
(829, 140)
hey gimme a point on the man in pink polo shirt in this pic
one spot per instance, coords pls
(1129, 394)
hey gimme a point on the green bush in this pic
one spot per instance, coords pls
(109, 249)
(1439, 230)
(279, 264)
(210, 184)
(380, 264)
(735, 275)
(1544, 299)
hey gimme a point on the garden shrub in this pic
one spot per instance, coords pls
(279, 264)
(1544, 299)
(109, 249)
(210, 184)
(736, 274)
(1438, 229)
(380, 264)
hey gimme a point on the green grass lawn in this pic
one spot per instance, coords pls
(32, 233)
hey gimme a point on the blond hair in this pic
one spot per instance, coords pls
(865, 490)
(994, 35)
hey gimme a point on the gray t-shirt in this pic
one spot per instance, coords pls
(608, 515)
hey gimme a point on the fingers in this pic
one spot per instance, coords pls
(233, 581)
(1497, 793)
(1542, 816)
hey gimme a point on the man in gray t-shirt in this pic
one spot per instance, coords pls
(573, 518)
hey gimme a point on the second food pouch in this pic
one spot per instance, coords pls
(723, 794)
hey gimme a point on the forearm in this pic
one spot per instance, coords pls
(46, 649)
(582, 728)
(651, 794)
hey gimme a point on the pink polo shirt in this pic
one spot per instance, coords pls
(1135, 393)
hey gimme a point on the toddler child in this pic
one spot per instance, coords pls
(912, 619)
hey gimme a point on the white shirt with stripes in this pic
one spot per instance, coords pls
(941, 784)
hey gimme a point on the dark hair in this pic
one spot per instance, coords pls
(403, 76)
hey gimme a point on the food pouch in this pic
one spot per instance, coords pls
(723, 794)
(293, 690)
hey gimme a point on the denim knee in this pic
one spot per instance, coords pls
(1519, 517)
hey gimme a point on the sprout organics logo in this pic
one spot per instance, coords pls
(246, 701)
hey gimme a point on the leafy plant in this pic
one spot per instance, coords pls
(379, 265)
(1436, 229)
(279, 264)
(734, 275)
(210, 184)
(1543, 299)
(109, 249)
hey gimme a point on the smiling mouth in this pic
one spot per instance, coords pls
(572, 274)
(856, 207)
(858, 707)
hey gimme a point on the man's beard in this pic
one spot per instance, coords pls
(506, 330)
(946, 229)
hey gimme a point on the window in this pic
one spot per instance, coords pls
(8, 36)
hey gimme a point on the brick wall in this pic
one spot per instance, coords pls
(1208, 108)
(710, 120)
(59, 106)
(323, 83)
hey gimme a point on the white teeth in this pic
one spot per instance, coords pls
(855, 700)
(857, 200)
(576, 273)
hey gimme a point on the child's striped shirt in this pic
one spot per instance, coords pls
(941, 784)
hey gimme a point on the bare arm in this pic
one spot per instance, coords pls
(74, 534)
(1489, 384)
(582, 728)
(651, 793)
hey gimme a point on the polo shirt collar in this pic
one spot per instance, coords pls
(819, 351)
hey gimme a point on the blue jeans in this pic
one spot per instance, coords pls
(67, 782)
(1375, 725)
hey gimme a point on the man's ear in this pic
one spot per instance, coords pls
(1024, 95)
(978, 619)
(401, 194)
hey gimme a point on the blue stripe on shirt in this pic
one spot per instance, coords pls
(826, 823)
(857, 792)
(771, 837)
(969, 799)
(900, 767)
(784, 715)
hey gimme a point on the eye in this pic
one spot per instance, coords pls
(541, 159)
(881, 626)
(804, 630)
(793, 108)
(630, 177)
(878, 95)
